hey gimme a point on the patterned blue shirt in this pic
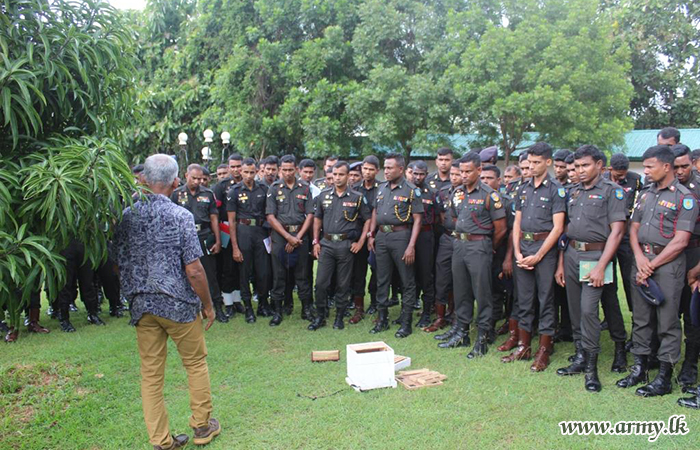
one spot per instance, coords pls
(154, 242)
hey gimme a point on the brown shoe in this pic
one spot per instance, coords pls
(34, 326)
(179, 441)
(205, 435)
(545, 349)
(359, 310)
(512, 340)
(440, 321)
(12, 335)
(522, 351)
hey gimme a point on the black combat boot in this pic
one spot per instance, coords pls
(591, 381)
(318, 321)
(276, 314)
(372, 304)
(692, 402)
(424, 320)
(64, 320)
(619, 364)
(449, 333)
(249, 315)
(639, 372)
(480, 346)
(460, 338)
(688, 375)
(662, 383)
(220, 314)
(339, 324)
(306, 311)
(578, 364)
(405, 329)
(382, 321)
(264, 309)
(94, 319)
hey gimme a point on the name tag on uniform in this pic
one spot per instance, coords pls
(596, 197)
(348, 203)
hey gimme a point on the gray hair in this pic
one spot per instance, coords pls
(160, 169)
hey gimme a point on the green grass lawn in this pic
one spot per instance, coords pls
(81, 391)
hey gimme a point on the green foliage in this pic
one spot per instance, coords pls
(66, 81)
(554, 70)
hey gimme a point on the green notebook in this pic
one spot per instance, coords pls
(585, 268)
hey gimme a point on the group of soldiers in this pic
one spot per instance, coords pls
(468, 246)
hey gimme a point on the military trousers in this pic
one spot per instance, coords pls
(209, 264)
(671, 278)
(692, 333)
(255, 263)
(299, 273)
(389, 249)
(584, 300)
(625, 260)
(335, 259)
(425, 266)
(471, 275)
(359, 275)
(443, 269)
(537, 283)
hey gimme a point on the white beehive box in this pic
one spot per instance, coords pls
(370, 366)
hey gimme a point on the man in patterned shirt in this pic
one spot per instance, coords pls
(158, 255)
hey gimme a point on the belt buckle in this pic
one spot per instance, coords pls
(387, 228)
(581, 246)
(253, 222)
(463, 236)
(293, 228)
(646, 248)
(528, 236)
(336, 237)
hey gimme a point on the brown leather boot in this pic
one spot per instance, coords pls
(522, 351)
(546, 348)
(359, 310)
(512, 340)
(34, 326)
(439, 322)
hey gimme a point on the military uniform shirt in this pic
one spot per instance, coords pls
(435, 183)
(247, 203)
(444, 205)
(320, 183)
(429, 210)
(289, 206)
(509, 205)
(538, 205)
(202, 204)
(370, 194)
(661, 212)
(396, 206)
(592, 210)
(694, 188)
(221, 192)
(478, 209)
(341, 215)
(513, 186)
(631, 184)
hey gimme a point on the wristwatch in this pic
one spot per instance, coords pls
(370, 235)
(314, 242)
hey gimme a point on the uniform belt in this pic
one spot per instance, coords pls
(450, 233)
(653, 249)
(426, 227)
(391, 228)
(693, 243)
(530, 236)
(470, 236)
(250, 222)
(292, 228)
(586, 246)
(336, 237)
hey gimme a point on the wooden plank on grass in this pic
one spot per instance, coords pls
(325, 355)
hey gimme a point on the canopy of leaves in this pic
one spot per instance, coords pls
(66, 87)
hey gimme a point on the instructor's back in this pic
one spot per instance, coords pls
(162, 278)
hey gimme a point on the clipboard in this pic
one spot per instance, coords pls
(585, 268)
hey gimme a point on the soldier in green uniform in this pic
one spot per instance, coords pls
(539, 221)
(322, 183)
(425, 245)
(368, 187)
(441, 177)
(480, 227)
(683, 166)
(246, 217)
(396, 222)
(662, 224)
(289, 209)
(597, 219)
(340, 229)
(201, 202)
(443, 258)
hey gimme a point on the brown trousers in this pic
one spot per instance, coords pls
(152, 336)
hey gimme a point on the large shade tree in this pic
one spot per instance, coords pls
(65, 87)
